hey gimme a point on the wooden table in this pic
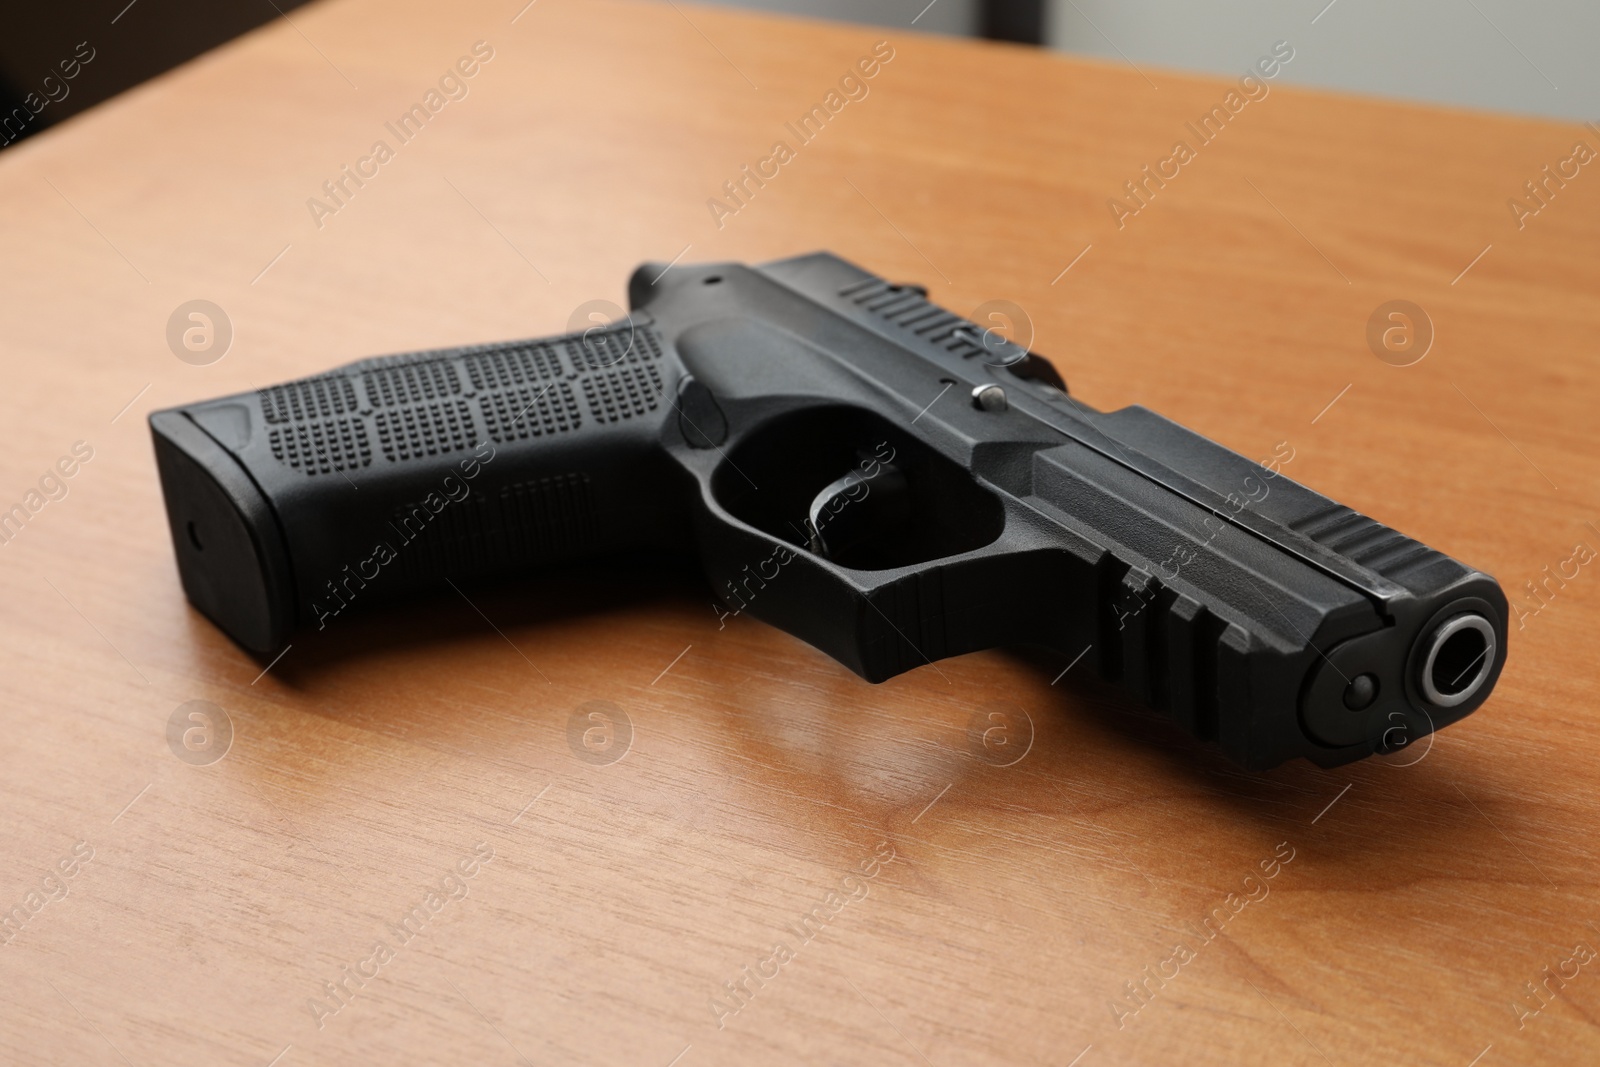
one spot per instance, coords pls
(1009, 907)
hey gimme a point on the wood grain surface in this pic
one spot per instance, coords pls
(1429, 908)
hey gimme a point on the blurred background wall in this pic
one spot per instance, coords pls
(1531, 57)
(1535, 57)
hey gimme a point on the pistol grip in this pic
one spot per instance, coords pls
(291, 503)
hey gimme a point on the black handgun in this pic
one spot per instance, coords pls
(883, 479)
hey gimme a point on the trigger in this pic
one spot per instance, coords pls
(869, 503)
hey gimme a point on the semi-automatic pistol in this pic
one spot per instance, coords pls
(881, 478)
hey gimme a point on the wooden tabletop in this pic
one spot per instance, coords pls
(420, 848)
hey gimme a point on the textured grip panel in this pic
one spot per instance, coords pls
(396, 473)
(426, 430)
(619, 394)
(519, 413)
(308, 398)
(410, 382)
(524, 523)
(322, 446)
(513, 365)
(416, 406)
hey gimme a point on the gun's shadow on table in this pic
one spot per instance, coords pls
(501, 670)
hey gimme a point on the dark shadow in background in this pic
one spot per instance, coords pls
(130, 44)
(133, 42)
(1012, 20)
